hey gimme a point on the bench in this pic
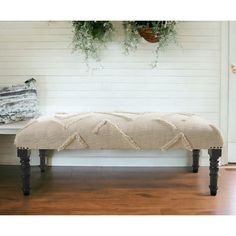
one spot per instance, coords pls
(119, 130)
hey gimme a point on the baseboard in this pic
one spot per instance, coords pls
(112, 158)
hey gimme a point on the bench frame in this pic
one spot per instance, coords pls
(24, 155)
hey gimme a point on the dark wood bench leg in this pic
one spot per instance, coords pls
(215, 154)
(24, 155)
(196, 155)
(42, 155)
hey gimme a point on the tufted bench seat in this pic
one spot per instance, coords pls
(119, 130)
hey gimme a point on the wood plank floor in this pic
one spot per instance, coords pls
(112, 191)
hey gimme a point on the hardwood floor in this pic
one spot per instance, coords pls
(105, 190)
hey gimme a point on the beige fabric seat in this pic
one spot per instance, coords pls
(119, 130)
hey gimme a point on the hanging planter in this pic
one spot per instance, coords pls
(91, 36)
(152, 31)
(160, 32)
(148, 35)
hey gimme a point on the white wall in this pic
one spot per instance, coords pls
(232, 95)
(187, 80)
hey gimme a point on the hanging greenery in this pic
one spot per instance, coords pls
(160, 32)
(91, 36)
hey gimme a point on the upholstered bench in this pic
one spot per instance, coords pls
(119, 130)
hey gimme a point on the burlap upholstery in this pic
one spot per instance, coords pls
(119, 130)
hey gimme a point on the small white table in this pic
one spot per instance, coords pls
(12, 128)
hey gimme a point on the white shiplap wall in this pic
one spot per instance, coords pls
(187, 80)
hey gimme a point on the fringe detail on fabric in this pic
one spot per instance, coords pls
(65, 115)
(68, 115)
(81, 141)
(60, 123)
(180, 135)
(184, 141)
(124, 135)
(78, 119)
(67, 142)
(61, 115)
(130, 112)
(72, 138)
(99, 126)
(185, 114)
(116, 114)
(164, 122)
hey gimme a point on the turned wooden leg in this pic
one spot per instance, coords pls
(196, 155)
(24, 155)
(215, 154)
(42, 155)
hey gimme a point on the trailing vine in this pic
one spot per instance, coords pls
(163, 31)
(91, 36)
